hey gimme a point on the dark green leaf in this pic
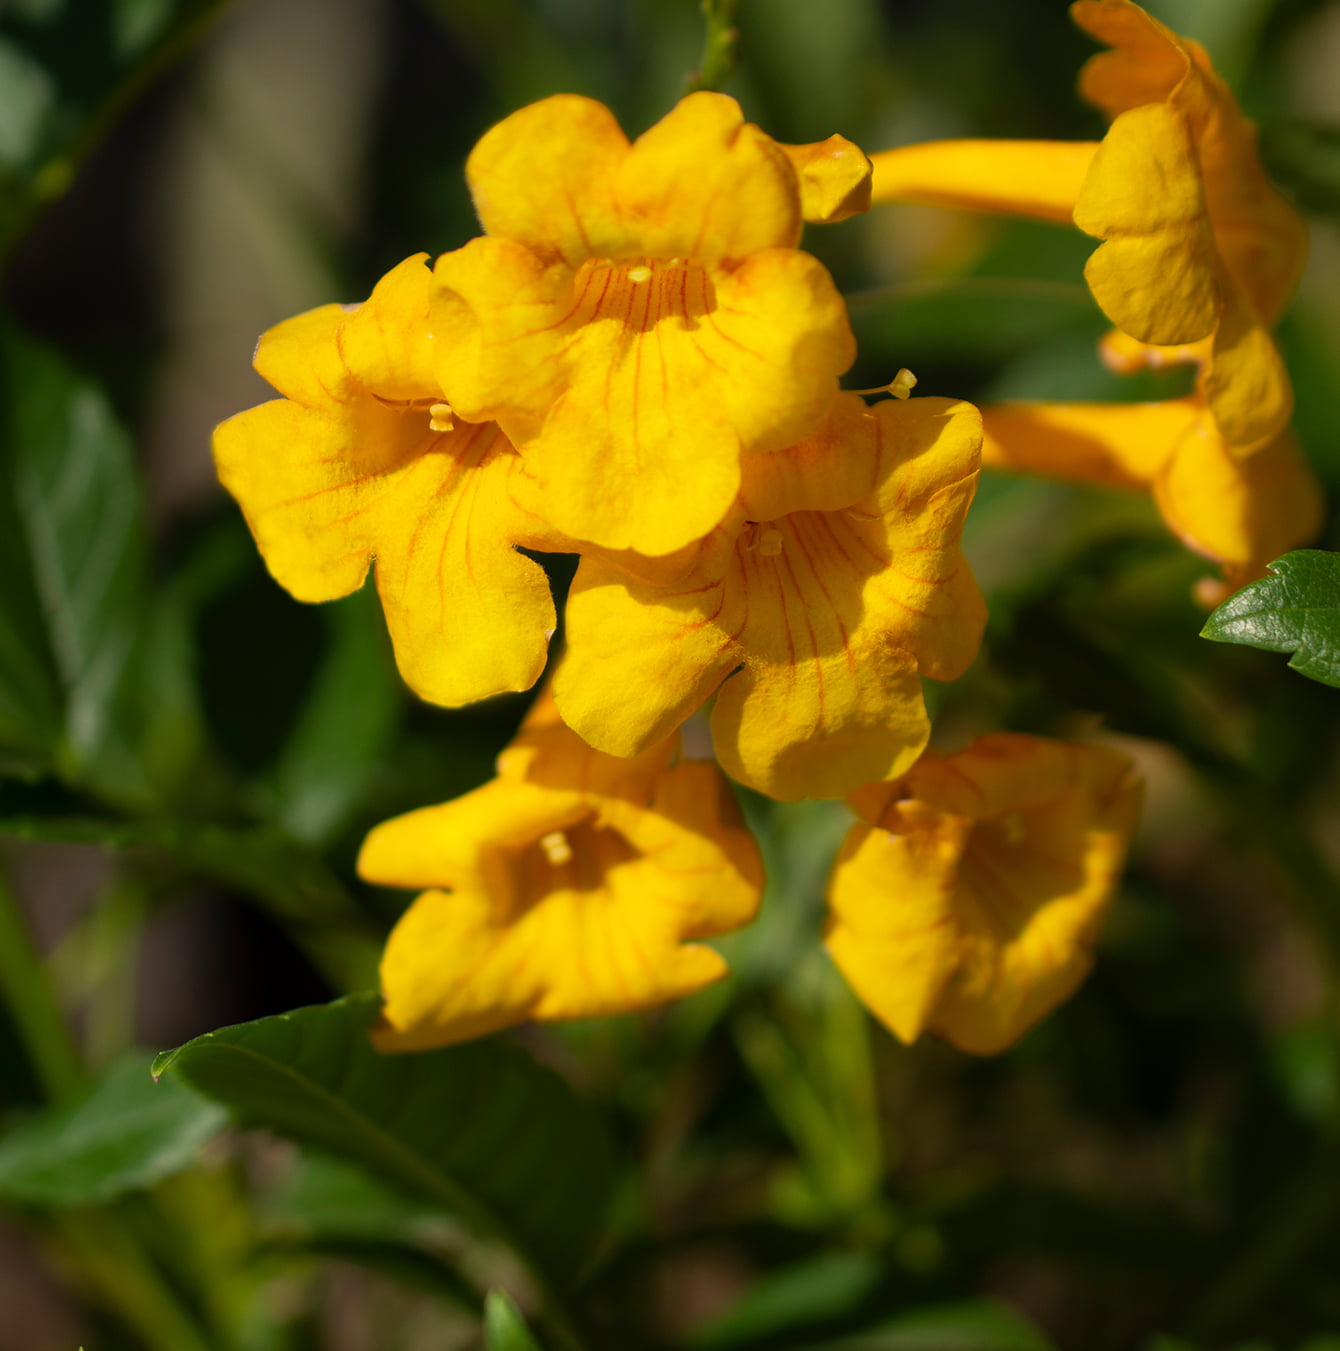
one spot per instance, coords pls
(970, 1326)
(504, 1327)
(126, 1134)
(1296, 609)
(479, 1129)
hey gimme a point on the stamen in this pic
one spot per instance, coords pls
(900, 386)
(556, 848)
(640, 273)
(770, 542)
(439, 418)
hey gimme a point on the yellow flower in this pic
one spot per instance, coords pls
(833, 584)
(968, 903)
(361, 459)
(1201, 254)
(564, 888)
(1242, 513)
(638, 317)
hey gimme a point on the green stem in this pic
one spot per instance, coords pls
(719, 46)
(24, 987)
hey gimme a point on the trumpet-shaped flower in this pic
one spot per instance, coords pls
(1200, 253)
(567, 887)
(1241, 513)
(968, 901)
(638, 317)
(834, 583)
(361, 459)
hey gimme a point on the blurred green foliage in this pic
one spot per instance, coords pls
(757, 1168)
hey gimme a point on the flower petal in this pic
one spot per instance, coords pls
(820, 705)
(1157, 276)
(640, 659)
(1028, 178)
(891, 909)
(834, 179)
(1242, 513)
(543, 177)
(387, 342)
(468, 614)
(1244, 380)
(705, 184)
(1120, 445)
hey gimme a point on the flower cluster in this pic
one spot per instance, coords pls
(638, 365)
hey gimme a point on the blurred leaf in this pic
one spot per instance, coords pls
(793, 1298)
(345, 730)
(1305, 158)
(1296, 609)
(971, 1326)
(479, 1129)
(504, 1327)
(95, 680)
(68, 69)
(126, 1134)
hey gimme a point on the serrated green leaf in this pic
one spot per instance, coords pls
(479, 1129)
(1296, 609)
(127, 1133)
(970, 1326)
(504, 1327)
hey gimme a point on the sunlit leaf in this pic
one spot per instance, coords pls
(478, 1129)
(1296, 609)
(128, 1133)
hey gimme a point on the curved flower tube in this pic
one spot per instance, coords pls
(968, 900)
(832, 586)
(361, 459)
(1240, 513)
(638, 318)
(1200, 253)
(567, 887)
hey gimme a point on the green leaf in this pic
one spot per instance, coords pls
(504, 1327)
(788, 1300)
(1296, 609)
(347, 725)
(970, 1326)
(127, 1133)
(478, 1129)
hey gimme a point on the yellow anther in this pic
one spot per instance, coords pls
(439, 418)
(556, 848)
(902, 384)
(770, 542)
(640, 273)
